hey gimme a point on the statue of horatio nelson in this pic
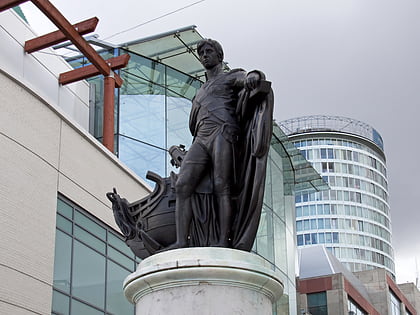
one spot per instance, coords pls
(216, 198)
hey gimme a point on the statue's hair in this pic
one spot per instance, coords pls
(215, 44)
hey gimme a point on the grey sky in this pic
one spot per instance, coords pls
(353, 58)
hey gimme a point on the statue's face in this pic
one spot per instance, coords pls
(208, 56)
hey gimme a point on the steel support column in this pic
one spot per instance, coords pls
(108, 123)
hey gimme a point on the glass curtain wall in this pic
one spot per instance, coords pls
(155, 101)
(275, 239)
(91, 261)
(151, 111)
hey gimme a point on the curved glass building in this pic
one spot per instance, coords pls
(352, 219)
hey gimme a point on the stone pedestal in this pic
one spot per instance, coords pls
(205, 281)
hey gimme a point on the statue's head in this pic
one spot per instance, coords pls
(216, 46)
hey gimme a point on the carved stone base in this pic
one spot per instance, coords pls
(203, 280)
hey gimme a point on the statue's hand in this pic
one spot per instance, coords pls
(252, 80)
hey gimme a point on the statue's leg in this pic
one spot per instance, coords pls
(223, 173)
(191, 172)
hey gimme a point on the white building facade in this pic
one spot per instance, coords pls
(352, 219)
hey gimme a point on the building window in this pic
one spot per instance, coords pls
(317, 303)
(395, 304)
(90, 263)
(355, 309)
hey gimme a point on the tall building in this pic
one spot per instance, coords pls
(352, 219)
(62, 252)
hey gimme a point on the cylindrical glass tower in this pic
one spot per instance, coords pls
(352, 219)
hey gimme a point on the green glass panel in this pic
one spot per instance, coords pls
(142, 117)
(268, 197)
(317, 303)
(119, 244)
(280, 247)
(89, 239)
(116, 302)
(141, 67)
(78, 308)
(142, 157)
(120, 258)
(64, 224)
(88, 276)
(64, 209)
(60, 303)
(89, 225)
(264, 239)
(62, 261)
(139, 85)
(181, 84)
(300, 172)
(177, 50)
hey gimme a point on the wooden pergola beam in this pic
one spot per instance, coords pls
(57, 37)
(8, 4)
(63, 25)
(91, 71)
(99, 65)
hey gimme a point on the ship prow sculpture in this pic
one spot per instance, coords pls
(217, 196)
(149, 223)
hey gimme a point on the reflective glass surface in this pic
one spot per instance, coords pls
(62, 263)
(175, 48)
(88, 275)
(116, 302)
(142, 157)
(60, 303)
(317, 303)
(88, 270)
(143, 117)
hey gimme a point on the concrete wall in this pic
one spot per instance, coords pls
(412, 294)
(375, 283)
(337, 297)
(44, 151)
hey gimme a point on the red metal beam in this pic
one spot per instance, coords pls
(63, 25)
(91, 71)
(118, 81)
(108, 122)
(56, 37)
(8, 4)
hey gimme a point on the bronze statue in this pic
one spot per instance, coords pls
(219, 189)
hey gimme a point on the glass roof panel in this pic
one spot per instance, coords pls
(306, 178)
(177, 49)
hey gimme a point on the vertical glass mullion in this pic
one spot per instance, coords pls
(166, 118)
(71, 260)
(106, 272)
(117, 52)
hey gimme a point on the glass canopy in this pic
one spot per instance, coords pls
(300, 172)
(177, 49)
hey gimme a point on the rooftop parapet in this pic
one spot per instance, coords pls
(322, 123)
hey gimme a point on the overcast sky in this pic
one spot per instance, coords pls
(354, 58)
